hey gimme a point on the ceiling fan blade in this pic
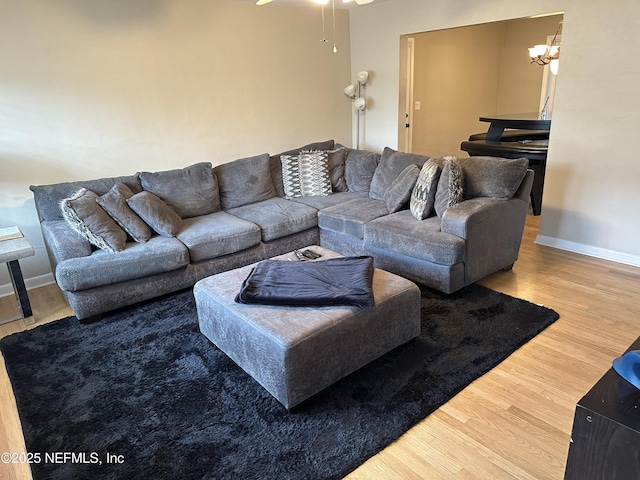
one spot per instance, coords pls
(263, 2)
(363, 2)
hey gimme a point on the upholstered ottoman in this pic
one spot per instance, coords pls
(295, 352)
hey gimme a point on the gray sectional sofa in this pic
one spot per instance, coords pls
(209, 220)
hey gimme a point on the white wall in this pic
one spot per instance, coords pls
(93, 88)
(591, 196)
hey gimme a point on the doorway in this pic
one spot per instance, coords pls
(449, 78)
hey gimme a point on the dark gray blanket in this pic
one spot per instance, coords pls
(333, 282)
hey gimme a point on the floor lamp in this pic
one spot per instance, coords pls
(359, 103)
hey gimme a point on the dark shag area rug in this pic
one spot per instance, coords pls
(142, 394)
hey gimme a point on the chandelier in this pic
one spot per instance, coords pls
(547, 54)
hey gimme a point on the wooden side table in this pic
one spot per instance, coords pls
(14, 246)
(605, 441)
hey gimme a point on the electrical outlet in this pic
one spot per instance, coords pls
(417, 106)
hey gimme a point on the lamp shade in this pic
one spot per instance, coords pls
(363, 77)
(360, 103)
(350, 90)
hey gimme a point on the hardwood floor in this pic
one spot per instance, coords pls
(515, 421)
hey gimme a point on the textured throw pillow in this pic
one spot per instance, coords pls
(423, 196)
(391, 164)
(492, 176)
(114, 202)
(306, 174)
(87, 218)
(190, 191)
(359, 168)
(275, 166)
(244, 181)
(399, 192)
(450, 186)
(157, 214)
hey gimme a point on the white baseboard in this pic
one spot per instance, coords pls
(34, 282)
(588, 250)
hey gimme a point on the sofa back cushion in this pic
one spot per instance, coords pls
(492, 176)
(392, 163)
(276, 167)
(360, 165)
(191, 191)
(244, 181)
(48, 197)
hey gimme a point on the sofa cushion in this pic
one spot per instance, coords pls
(85, 216)
(320, 203)
(391, 164)
(275, 166)
(423, 196)
(450, 186)
(492, 176)
(399, 192)
(47, 197)
(360, 165)
(137, 260)
(244, 181)
(114, 202)
(305, 174)
(401, 233)
(278, 217)
(350, 218)
(157, 214)
(189, 191)
(217, 234)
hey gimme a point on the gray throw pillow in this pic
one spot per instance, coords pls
(391, 164)
(337, 160)
(450, 186)
(492, 176)
(157, 214)
(87, 218)
(399, 192)
(114, 202)
(306, 174)
(244, 181)
(423, 196)
(360, 165)
(190, 191)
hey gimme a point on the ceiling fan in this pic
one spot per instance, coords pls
(322, 2)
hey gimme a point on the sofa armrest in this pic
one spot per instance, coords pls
(492, 229)
(461, 219)
(63, 242)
